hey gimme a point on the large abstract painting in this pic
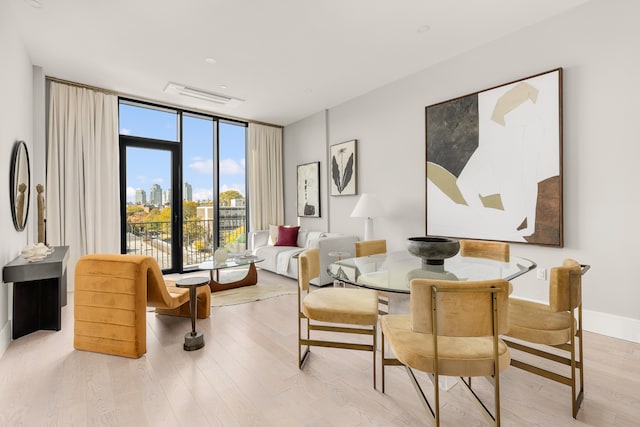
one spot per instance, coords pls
(343, 169)
(309, 189)
(494, 163)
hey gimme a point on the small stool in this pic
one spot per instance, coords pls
(193, 340)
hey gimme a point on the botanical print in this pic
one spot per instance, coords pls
(343, 169)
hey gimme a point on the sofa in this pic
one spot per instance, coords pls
(282, 260)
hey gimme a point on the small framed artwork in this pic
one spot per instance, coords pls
(343, 169)
(309, 189)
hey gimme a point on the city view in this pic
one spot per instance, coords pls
(149, 174)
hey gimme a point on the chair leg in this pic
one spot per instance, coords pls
(302, 357)
(375, 339)
(382, 357)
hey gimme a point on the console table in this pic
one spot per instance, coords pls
(39, 292)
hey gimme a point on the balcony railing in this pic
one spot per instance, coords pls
(154, 239)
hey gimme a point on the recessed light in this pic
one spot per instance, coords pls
(423, 29)
(223, 86)
(210, 61)
(34, 3)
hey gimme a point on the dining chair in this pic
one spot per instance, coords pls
(452, 329)
(557, 324)
(498, 251)
(371, 247)
(330, 309)
(374, 247)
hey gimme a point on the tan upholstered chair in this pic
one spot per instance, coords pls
(452, 330)
(498, 251)
(357, 308)
(555, 325)
(111, 296)
(374, 247)
(371, 247)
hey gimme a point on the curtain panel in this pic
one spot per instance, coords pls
(266, 189)
(82, 203)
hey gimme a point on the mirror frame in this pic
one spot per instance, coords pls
(19, 156)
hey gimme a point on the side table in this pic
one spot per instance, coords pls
(193, 340)
(39, 292)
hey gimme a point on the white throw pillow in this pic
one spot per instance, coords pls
(273, 234)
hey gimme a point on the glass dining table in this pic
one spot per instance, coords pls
(393, 271)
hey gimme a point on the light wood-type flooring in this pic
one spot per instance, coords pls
(247, 375)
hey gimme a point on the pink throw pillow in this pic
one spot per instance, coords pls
(287, 236)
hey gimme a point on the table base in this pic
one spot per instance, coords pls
(193, 341)
(250, 279)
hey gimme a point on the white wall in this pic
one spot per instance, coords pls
(306, 143)
(16, 113)
(597, 45)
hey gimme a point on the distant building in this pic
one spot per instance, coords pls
(187, 192)
(237, 202)
(141, 197)
(155, 195)
(166, 196)
(231, 217)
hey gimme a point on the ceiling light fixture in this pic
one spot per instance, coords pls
(423, 29)
(34, 3)
(202, 95)
(210, 60)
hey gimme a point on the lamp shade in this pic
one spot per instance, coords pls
(368, 206)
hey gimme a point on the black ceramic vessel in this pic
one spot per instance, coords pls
(433, 250)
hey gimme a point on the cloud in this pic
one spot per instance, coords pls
(125, 131)
(201, 165)
(131, 193)
(231, 167)
(158, 180)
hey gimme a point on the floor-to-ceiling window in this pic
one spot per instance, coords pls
(183, 184)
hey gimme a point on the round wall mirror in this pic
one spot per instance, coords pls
(20, 185)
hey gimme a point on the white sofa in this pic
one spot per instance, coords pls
(280, 259)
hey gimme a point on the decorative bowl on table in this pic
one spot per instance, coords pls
(433, 250)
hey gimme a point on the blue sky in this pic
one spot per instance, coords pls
(146, 167)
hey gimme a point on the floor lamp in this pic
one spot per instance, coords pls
(368, 207)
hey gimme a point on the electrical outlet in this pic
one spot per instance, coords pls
(542, 273)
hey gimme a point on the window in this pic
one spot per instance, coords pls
(183, 184)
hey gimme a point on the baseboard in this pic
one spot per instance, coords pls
(611, 325)
(5, 337)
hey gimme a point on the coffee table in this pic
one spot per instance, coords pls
(233, 262)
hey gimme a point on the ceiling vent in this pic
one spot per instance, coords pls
(202, 95)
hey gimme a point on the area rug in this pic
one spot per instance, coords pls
(247, 294)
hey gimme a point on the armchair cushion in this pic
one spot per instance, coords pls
(457, 356)
(537, 323)
(342, 305)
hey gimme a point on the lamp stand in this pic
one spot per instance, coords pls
(368, 228)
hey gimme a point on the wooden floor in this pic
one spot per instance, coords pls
(247, 375)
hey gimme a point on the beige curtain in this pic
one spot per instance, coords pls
(83, 199)
(266, 190)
